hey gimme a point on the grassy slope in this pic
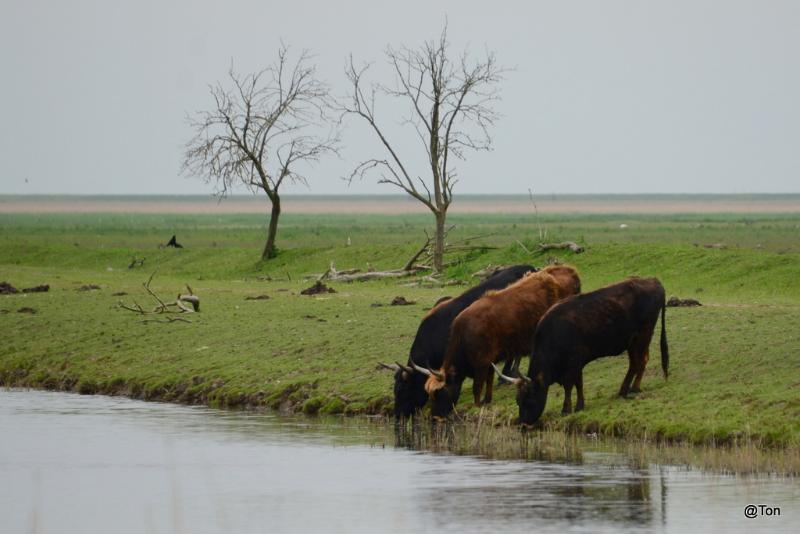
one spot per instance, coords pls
(734, 361)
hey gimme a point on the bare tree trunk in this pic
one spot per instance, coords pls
(438, 245)
(269, 249)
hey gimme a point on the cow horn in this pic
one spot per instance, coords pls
(422, 370)
(387, 366)
(439, 376)
(508, 379)
(405, 368)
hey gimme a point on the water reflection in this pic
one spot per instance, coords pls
(97, 464)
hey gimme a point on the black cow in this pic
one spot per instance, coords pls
(430, 343)
(580, 329)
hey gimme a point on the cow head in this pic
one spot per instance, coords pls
(531, 395)
(443, 395)
(409, 390)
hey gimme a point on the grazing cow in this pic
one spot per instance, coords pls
(499, 326)
(578, 330)
(430, 342)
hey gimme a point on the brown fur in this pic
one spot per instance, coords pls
(500, 325)
(444, 301)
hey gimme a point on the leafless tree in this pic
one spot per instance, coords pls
(450, 104)
(262, 128)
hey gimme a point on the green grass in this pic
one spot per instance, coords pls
(734, 364)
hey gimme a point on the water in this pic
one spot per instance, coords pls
(80, 464)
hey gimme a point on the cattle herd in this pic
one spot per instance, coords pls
(520, 311)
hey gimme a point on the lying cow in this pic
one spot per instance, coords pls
(499, 326)
(578, 330)
(430, 342)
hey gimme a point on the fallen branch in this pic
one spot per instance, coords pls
(178, 306)
(571, 245)
(410, 263)
(375, 275)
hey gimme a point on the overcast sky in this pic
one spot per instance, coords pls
(605, 96)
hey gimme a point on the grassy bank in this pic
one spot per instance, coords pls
(734, 366)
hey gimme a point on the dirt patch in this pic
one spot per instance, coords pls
(257, 297)
(317, 289)
(119, 294)
(401, 301)
(43, 288)
(26, 310)
(7, 289)
(88, 287)
(675, 302)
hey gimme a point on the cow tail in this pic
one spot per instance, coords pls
(664, 347)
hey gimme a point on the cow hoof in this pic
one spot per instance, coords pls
(635, 390)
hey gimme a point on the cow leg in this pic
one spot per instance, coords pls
(477, 386)
(487, 399)
(567, 408)
(517, 361)
(637, 383)
(632, 368)
(579, 387)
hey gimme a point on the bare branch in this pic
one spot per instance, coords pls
(450, 109)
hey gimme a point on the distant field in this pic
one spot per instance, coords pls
(397, 204)
(734, 366)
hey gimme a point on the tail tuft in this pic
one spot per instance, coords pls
(664, 347)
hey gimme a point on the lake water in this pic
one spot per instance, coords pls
(84, 464)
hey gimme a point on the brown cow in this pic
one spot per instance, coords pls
(498, 326)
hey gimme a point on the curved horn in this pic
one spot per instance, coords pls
(422, 370)
(405, 368)
(395, 367)
(439, 376)
(517, 381)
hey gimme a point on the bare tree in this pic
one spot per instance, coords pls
(450, 110)
(261, 128)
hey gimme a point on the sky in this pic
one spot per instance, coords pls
(601, 96)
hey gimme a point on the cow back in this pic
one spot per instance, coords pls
(433, 333)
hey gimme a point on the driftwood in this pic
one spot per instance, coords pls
(182, 304)
(356, 275)
(571, 245)
(413, 266)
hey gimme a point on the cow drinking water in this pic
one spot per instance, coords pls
(430, 342)
(499, 326)
(578, 330)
